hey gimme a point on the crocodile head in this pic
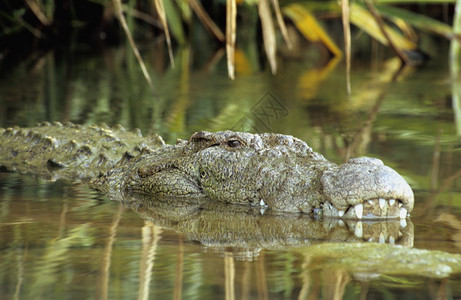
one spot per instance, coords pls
(273, 171)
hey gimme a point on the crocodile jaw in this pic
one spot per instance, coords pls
(364, 188)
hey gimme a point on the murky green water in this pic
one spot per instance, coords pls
(63, 241)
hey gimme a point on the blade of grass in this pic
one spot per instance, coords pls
(456, 99)
(455, 48)
(268, 30)
(231, 27)
(17, 17)
(174, 20)
(406, 29)
(347, 41)
(417, 20)
(403, 57)
(49, 8)
(161, 13)
(309, 27)
(364, 20)
(34, 7)
(121, 18)
(142, 16)
(185, 11)
(281, 23)
(455, 60)
(206, 20)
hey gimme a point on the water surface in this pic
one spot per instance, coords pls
(64, 241)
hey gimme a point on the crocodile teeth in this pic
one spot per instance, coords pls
(371, 202)
(340, 213)
(359, 210)
(403, 213)
(382, 240)
(391, 202)
(391, 240)
(359, 230)
(403, 223)
(262, 202)
(382, 203)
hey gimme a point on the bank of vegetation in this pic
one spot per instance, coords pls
(277, 24)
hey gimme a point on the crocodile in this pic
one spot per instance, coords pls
(270, 171)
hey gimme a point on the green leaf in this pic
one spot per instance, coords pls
(307, 24)
(417, 20)
(174, 20)
(363, 19)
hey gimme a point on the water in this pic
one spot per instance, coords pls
(64, 241)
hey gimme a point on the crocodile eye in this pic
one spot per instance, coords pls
(233, 143)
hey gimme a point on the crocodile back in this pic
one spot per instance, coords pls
(70, 151)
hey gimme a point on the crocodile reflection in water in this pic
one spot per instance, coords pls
(273, 171)
(247, 230)
(379, 247)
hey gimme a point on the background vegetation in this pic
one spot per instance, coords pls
(277, 25)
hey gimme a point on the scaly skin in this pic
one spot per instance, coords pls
(274, 171)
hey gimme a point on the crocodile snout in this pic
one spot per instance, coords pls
(365, 188)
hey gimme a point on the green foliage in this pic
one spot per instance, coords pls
(174, 21)
(47, 20)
